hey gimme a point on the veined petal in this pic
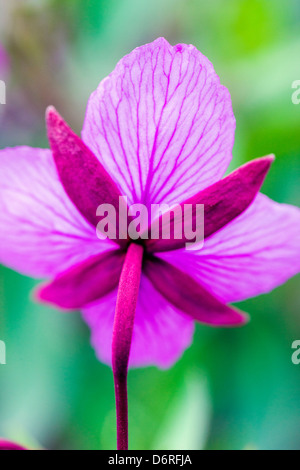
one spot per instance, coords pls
(182, 291)
(84, 283)
(252, 255)
(41, 231)
(162, 124)
(223, 202)
(85, 180)
(161, 332)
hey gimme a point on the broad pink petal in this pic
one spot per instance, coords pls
(255, 253)
(223, 202)
(41, 231)
(161, 124)
(84, 283)
(182, 291)
(161, 332)
(9, 445)
(85, 180)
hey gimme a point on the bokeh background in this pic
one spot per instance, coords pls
(233, 389)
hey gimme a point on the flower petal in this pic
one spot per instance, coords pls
(41, 232)
(9, 445)
(161, 332)
(189, 296)
(161, 123)
(85, 180)
(223, 202)
(84, 283)
(255, 253)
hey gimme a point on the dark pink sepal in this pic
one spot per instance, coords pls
(223, 202)
(84, 283)
(85, 180)
(181, 290)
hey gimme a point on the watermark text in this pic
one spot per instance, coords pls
(157, 222)
(296, 353)
(2, 353)
(2, 92)
(296, 94)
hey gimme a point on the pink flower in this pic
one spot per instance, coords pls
(159, 129)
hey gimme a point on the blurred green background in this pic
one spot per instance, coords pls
(233, 389)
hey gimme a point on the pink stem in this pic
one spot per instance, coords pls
(122, 335)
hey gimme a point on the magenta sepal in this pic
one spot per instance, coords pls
(84, 283)
(190, 297)
(223, 202)
(85, 180)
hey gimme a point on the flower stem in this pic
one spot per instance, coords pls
(122, 335)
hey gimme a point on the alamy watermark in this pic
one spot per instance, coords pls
(2, 92)
(296, 353)
(2, 353)
(296, 94)
(155, 222)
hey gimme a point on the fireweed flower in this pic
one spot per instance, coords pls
(159, 129)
